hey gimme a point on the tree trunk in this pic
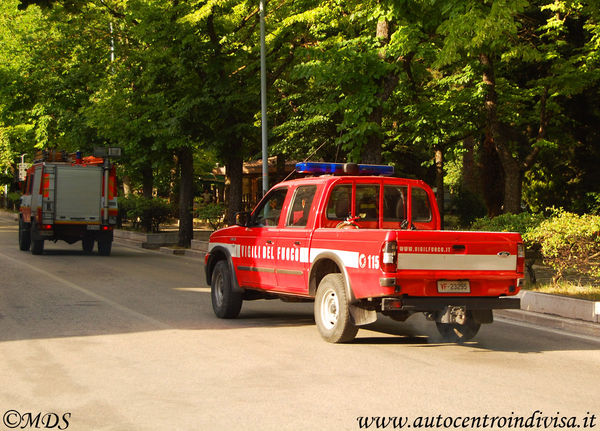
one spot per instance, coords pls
(147, 180)
(470, 175)
(173, 180)
(280, 175)
(126, 185)
(371, 152)
(492, 177)
(186, 197)
(233, 185)
(512, 186)
(439, 181)
(512, 167)
(492, 164)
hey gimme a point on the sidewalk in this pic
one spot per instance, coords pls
(571, 315)
(8, 215)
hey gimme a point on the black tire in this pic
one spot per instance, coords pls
(87, 244)
(226, 302)
(332, 313)
(24, 236)
(104, 247)
(459, 333)
(37, 246)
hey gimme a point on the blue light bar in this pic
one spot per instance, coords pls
(343, 169)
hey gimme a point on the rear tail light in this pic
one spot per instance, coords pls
(389, 256)
(46, 227)
(520, 257)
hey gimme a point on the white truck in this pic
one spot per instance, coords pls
(69, 198)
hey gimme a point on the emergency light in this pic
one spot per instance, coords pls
(343, 169)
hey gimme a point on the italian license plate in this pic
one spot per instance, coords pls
(93, 227)
(453, 286)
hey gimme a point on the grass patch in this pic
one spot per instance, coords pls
(566, 288)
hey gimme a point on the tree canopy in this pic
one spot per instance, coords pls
(496, 99)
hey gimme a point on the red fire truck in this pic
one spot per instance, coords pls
(68, 197)
(357, 241)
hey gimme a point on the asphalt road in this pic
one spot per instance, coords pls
(129, 342)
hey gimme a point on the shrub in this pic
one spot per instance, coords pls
(570, 242)
(468, 206)
(126, 204)
(524, 223)
(213, 213)
(14, 200)
(146, 213)
(6, 178)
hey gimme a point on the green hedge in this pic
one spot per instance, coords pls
(523, 223)
(565, 241)
(213, 213)
(14, 200)
(570, 242)
(144, 213)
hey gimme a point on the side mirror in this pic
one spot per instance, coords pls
(242, 218)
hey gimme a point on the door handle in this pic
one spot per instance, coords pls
(269, 241)
(297, 243)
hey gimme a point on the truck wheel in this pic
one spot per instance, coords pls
(458, 333)
(226, 302)
(24, 236)
(332, 313)
(104, 246)
(37, 246)
(87, 243)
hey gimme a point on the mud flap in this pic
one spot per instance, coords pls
(362, 316)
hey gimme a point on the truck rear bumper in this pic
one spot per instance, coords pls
(416, 304)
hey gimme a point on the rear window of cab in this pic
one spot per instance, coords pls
(378, 205)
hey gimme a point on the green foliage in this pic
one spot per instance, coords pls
(524, 223)
(147, 214)
(6, 178)
(186, 75)
(468, 206)
(14, 200)
(594, 203)
(570, 242)
(212, 213)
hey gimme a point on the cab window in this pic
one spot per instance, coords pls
(421, 211)
(339, 206)
(394, 205)
(269, 210)
(300, 207)
(367, 203)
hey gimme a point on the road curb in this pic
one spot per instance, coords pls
(574, 326)
(572, 308)
(9, 215)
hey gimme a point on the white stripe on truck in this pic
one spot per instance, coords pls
(458, 262)
(406, 261)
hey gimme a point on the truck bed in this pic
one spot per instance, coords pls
(487, 260)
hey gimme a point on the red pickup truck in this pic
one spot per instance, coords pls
(357, 241)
